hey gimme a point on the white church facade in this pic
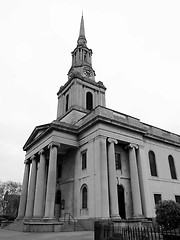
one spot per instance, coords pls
(93, 162)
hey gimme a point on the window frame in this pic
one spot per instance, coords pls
(84, 197)
(176, 199)
(155, 198)
(172, 167)
(118, 161)
(89, 100)
(152, 163)
(67, 102)
(59, 172)
(84, 160)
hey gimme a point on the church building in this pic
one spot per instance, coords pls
(93, 162)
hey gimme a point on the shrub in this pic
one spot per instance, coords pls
(168, 214)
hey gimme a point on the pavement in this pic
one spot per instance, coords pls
(12, 235)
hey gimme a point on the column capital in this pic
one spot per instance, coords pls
(100, 137)
(26, 161)
(132, 145)
(32, 157)
(54, 144)
(41, 151)
(112, 140)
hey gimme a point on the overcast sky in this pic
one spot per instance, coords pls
(136, 54)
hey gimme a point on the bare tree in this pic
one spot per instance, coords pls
(9, 196)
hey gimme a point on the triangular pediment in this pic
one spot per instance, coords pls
(37, 132)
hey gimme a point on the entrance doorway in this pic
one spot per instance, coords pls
(58, 204)
(121, 201)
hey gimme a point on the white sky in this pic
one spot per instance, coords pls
(136, 46)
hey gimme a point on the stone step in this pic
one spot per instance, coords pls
(72, 226)
(67, 227)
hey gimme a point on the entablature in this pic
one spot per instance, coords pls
(82, 80)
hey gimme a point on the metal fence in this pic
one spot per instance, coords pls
(112, 231)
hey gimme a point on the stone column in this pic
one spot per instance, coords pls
(104, 179)
(143, 179)
(32, 186)
(51, 182)
(97, 178)
(63, 104)
(81, 55)
(83, 97)
(71, 96)
(22, 205)
(136, 197)
(40, 187)
(79, 95)
(114, 209)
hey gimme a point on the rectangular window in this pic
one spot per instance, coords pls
(67, 102)
(84, 159)
(177, 198)
(59, 171)
(157, 198)
(118, 161)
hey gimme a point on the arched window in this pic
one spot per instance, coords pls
(152, 163)
(84, 193)
(67, 102)
(172, 167)
(89, 101)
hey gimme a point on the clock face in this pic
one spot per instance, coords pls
(87, 72)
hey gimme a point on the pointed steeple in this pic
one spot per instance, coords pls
(82, 38)
(82, 57)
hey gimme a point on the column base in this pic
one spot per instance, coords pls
(27, 219)
(104, 218)
(38, 219)
(115, 217)
(19, 218)
(138, 217)
(50, 219)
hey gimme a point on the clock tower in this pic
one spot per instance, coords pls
(81, 93)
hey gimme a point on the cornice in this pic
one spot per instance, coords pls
(84, 79)
(101, 115)
(108, 121)
(126, 125)
(162, 139)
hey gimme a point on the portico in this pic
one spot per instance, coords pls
(39, 182)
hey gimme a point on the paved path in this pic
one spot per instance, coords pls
(12, 235)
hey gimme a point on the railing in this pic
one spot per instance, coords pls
(70, 219)
(111, 232)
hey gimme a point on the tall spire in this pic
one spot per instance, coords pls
(82, 31)
(82, 38)
(81, 57)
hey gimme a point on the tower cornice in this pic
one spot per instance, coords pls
(78, 76)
